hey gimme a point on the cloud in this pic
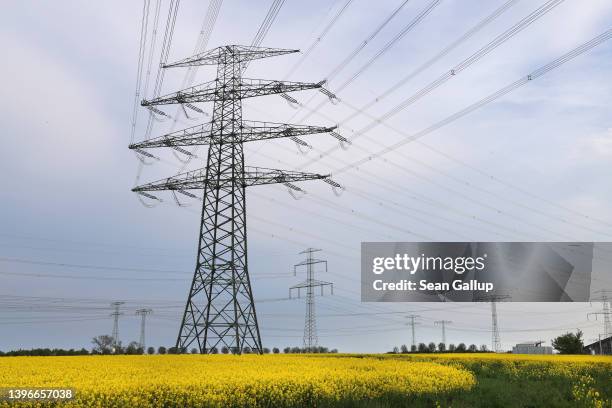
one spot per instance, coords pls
(52, 113)
(598, 145)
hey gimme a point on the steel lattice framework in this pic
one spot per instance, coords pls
(220, 311)
(311, 339)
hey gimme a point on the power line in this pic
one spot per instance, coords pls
(141, 51)
(319, 38)
(485, 101)
(401, 34)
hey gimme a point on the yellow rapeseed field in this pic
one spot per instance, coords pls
(226, 380)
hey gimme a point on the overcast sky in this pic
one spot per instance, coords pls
(533, 165)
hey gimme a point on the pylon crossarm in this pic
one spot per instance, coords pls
(240, 53)
(310, 262)
(306, 284)
(255, 130)
(190, 180)
(253, 176)
(251, 131)
(191, 136)
(246, 88)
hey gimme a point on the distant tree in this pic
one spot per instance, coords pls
(461, 348)
(161, 350)
(246, 350)
(413, 348)
(214, 350)
(102, 344)
(569, 343)
(224, 350)
(483, 348)
(404, 349)
(431, 347)
(150, 350)
(441, 347)
(287, 350)
(472, 348)
(266, 350)
(395, 350)
(451, 347)
(422, 348)
(46, 352)
(275, 350)
(194, 351)
(295, 350)
(334, 351)
(133, 348)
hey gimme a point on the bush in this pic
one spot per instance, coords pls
(569, 343)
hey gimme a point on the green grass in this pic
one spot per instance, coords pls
(515, 381)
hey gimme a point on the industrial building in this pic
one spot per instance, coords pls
(602, 346)
(531, 348)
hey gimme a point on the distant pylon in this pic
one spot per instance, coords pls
(495, 339)
(412, 323)
(310, 325)
(116, 315)
(443, 323)
(493, 299)
(605, 311)
(607, 324)
(143, 315)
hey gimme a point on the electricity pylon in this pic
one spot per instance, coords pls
(605, 311)
(220, 311)
(443, 323)
(115, 314)
(143, 315)
(310, 325)
(493, 299)
(413, 323)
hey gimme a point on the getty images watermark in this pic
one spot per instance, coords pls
(475, 271)
(411, 264)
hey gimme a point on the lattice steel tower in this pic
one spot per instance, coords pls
(310, 324)
(413, 323)
(493, 299)
(220, 310)
(115, 314)
(443, 323)
(143, 317)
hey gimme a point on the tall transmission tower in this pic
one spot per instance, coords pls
(604, 298)
(493, 299)
(115, 314)
(310, 324)
(443, 323)
(143, 316)
(220, 311)
(413, 323)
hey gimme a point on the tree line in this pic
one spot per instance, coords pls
(105, 345)
(440, 348)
